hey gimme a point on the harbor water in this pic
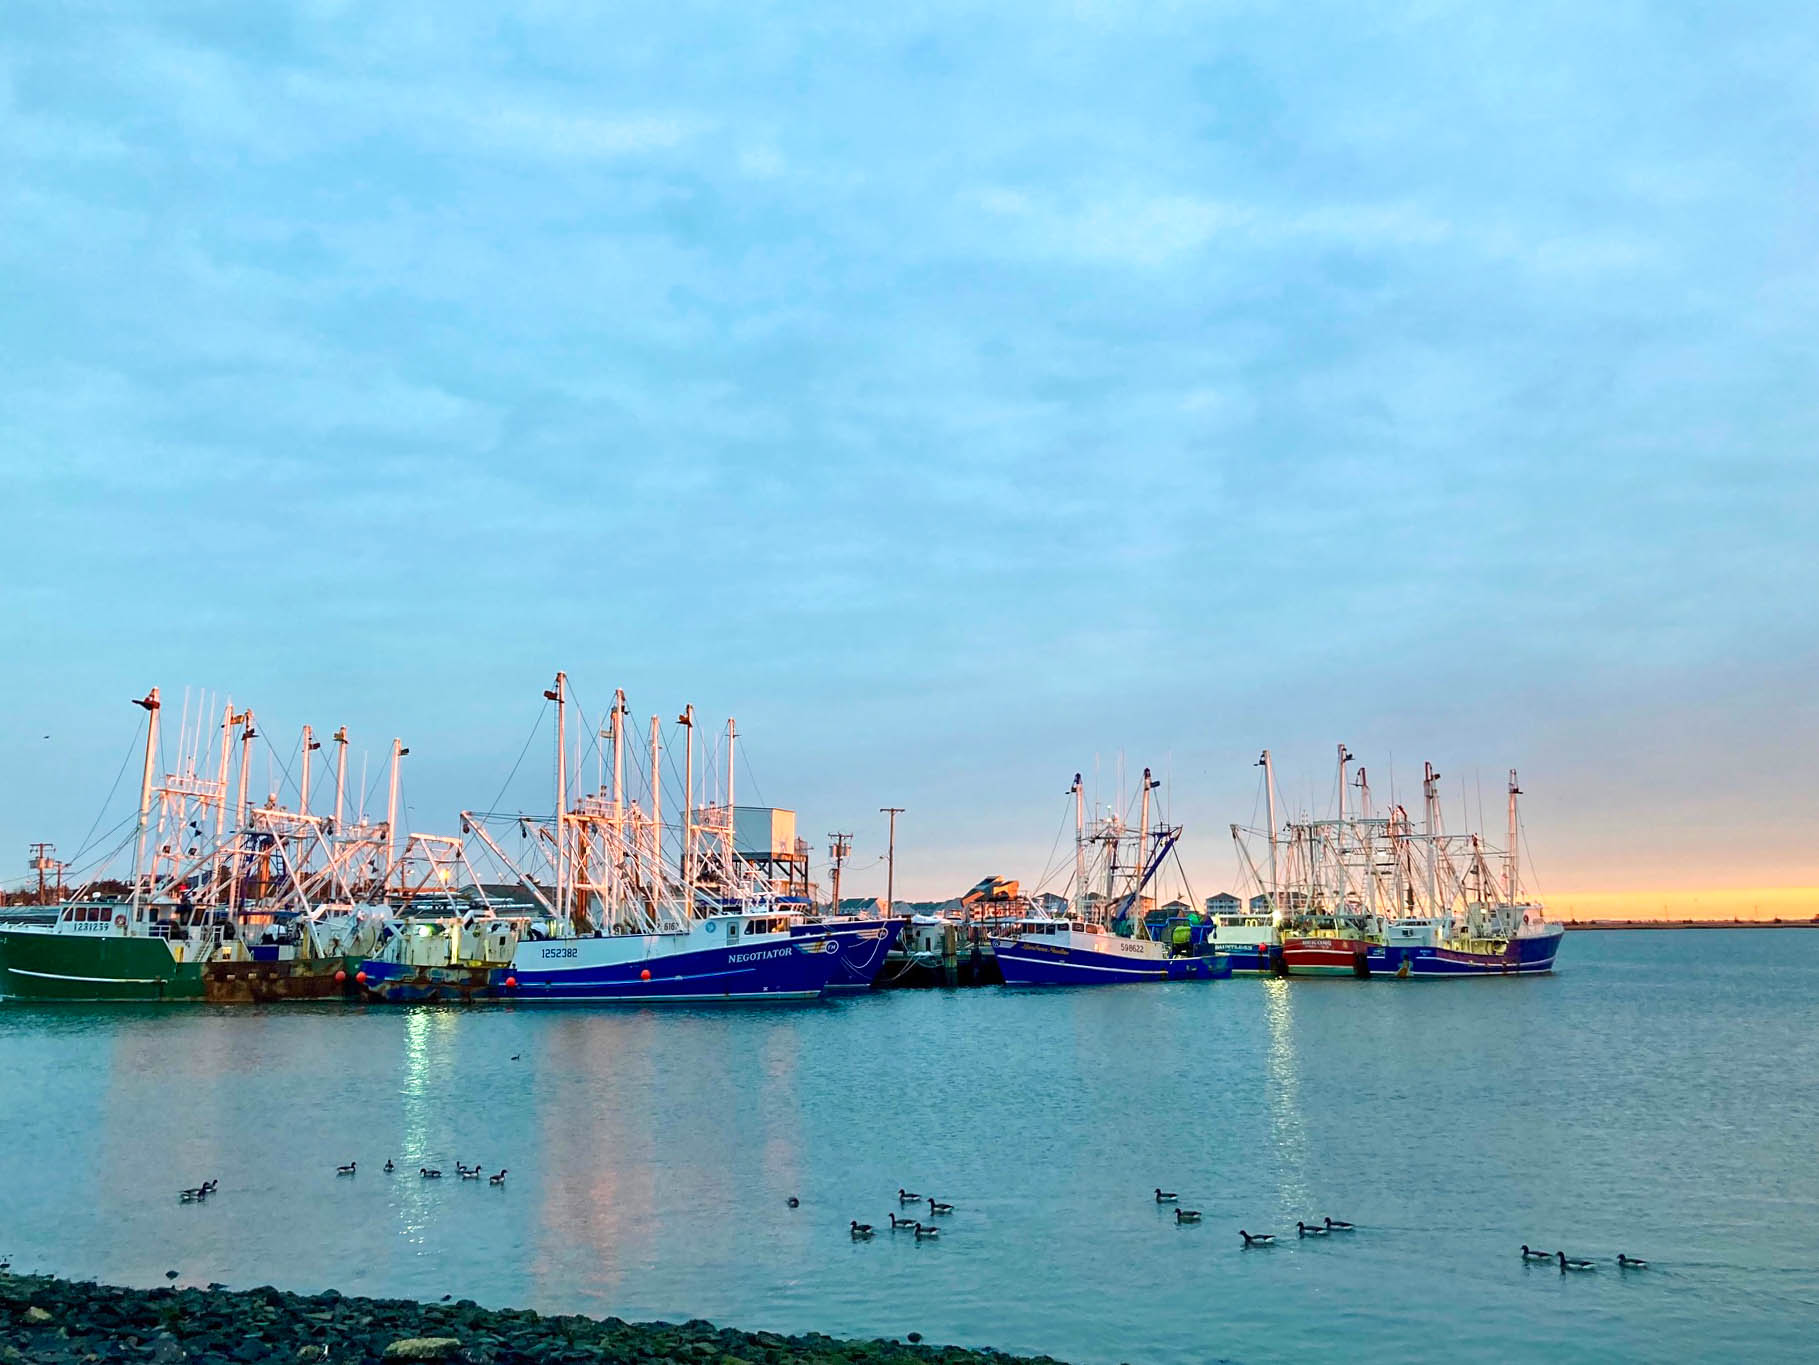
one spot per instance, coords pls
(1653, 1097)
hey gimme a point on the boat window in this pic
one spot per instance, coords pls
(732, 931)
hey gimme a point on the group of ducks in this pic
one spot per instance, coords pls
(1326, 1227)
(1579, 1263)
(432, 1173)
(201, 1192)
(924, 1232)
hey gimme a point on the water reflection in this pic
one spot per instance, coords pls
(1288, 1126)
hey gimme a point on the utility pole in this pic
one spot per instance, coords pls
(890, 875)
(44, 859)
(841, 845)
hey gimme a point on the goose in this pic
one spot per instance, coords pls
(210, 1186)
(428, 1174)
(1340, 1225)
(1631, 1262)
(194, 1196)
(924, 1233)
(794, 1202)
(1256, 1239)
(1315, 1230)
(906, 1197)
(897, 1222)
(170, 1274)
(347, 1169)
(936, 1206)
(1165, 1196)
(471, 1173)
(1529, 1255)
(497, 1179)
(389, 1168)
(1573, 1263)
(1187, 1215)
(861, 1230)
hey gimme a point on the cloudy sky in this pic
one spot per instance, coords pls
(960, 396)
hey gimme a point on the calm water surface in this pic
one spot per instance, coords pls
(1658, 1096)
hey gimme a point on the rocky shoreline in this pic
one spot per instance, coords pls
(48, 1321)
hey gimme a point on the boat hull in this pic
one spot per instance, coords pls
(259, 983)
(1528, 955)
(1045, 964)
(863, 946)
(393, 983)
(53, 966)
(1252, 959)
(1329, 956)
(598, 971)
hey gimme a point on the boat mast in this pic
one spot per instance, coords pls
(1430, 797)
(1269, 793)
(656, 873)
(310, 745)
(1509, 863)
(247, 735)
(151, 704)
(1079, 790)
(340, 773)
(687, 721)
(1143, 834)
(391, 809)
(559, 695)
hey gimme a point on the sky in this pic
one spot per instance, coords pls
(959, 396)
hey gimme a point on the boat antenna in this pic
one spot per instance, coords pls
(151, 704)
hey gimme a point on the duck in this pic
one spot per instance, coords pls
(794, 1202)
(1187, 1215)
(906, 1197)
(923, 1233)
(861, 1230)
(460, 1169)
(1529, 1255)
(347, 1169)
(1165, 1196)
(210, 1186)
(471, 1173)
(1631, 1262)
(897, 1222)
(1257, 1239)
(936, 1206)
(1306, 1230)
(170, 1274)
(194, 1196)
(1573, 1263)
(1340, 1225)
(428, 1174)
(497, 1179)
(389, 1168)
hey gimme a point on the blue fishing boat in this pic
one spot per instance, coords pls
(1077, 950)
(863, 945)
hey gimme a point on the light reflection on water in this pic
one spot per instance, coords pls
(1643, 1100)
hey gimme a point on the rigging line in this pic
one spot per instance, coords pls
(536, 725)
(100, 814)
(73, 869)
(289, 784)
(750, 773)
(1051, 867)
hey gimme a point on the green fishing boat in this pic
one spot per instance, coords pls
(88, 953)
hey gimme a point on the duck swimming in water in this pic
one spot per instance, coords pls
(1187, 1215)
(1574, 1263)
(897, 1222)
(1529, 1255)
(1631, 1262)
(345, 1170)
(1340, 1225)
(936, 1206)
(905, 1197)
(389, 1168)
(428, 1174)
(794, 1202)
(1165, 1196)
(924, 1233)
(861, 1230)
(1257, 1239)
(497, 1179)
(1304, 1230)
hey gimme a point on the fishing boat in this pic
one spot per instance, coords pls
(1363, 895)
(619, 922)
(1079, 950)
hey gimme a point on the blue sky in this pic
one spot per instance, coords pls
(960, 396)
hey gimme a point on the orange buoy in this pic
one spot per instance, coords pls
(645, 975)
(341, 975)
(511, 983)
(360, 977)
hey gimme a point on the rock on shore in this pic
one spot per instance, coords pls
(49, 1321)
